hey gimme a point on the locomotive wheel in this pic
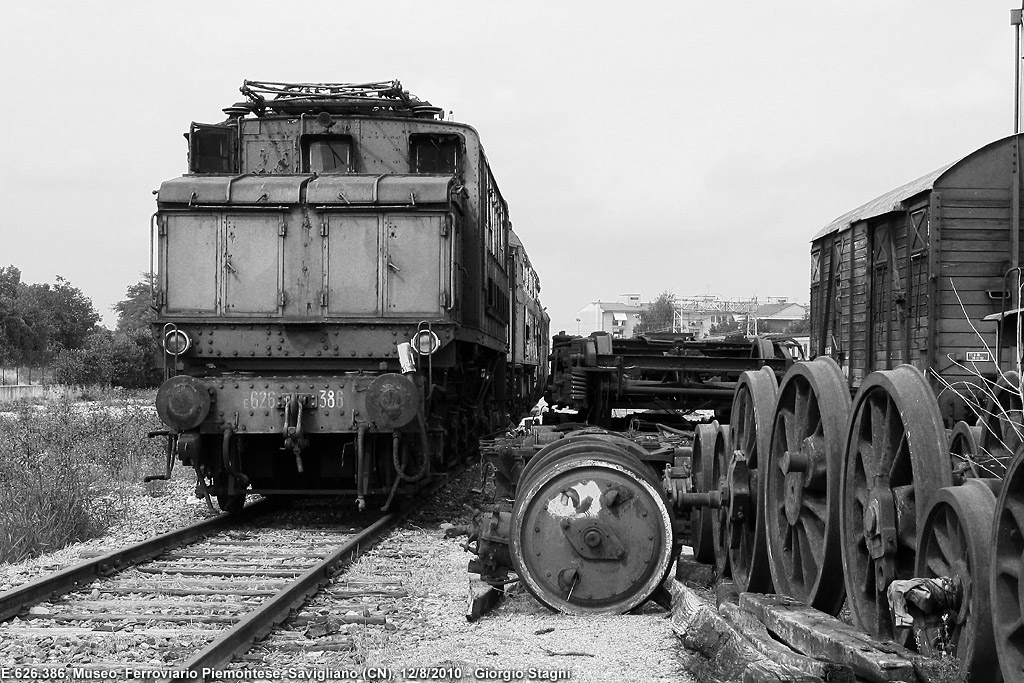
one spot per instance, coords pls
(1008, 570)
(802, 491)
(750, 428)
(966, 455)
(231, 504)
(720, 461)
(954, 542)
(591, 534)
(1002, 434)
(702, 471)
(896, 459)
(589, 435)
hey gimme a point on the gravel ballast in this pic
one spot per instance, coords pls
(427, 627)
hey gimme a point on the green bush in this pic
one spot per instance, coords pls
(67, 469)
(111, 359)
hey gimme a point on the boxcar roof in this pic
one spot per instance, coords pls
(890, 201)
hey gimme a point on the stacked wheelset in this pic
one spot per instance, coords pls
(829, 500)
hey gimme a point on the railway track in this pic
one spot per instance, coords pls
(187, 602)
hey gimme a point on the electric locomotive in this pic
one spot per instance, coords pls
(342, 304)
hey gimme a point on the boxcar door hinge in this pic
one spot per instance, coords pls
(282, 229)
(281, 298)
(161, 229)
(323, 299)
(324, 229)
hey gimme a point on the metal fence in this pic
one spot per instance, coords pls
(11, 375)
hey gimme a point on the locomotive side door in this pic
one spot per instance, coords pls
(252, 264)
(415, 264)
(352, 257)
(189, 262)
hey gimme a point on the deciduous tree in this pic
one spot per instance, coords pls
(659, 316)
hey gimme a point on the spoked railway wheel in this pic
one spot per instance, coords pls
(954, 542)
(591, 533)
(702, 471)
(1002, 433)
(1008, 571)
(720, 481)
(966, 454)
(804, 470)
(896, 460)
(750, 427)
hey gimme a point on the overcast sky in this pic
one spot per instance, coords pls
(693, 147)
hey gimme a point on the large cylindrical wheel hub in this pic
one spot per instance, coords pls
(896, 459)
(591, 534)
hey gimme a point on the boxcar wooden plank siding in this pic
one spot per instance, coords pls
(909, 276)
(977, 244)
(985, 213)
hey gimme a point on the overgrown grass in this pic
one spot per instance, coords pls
(67, 467)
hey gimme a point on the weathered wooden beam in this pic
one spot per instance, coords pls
(823, 636)
(702, 629)
(754, 631)
(482, 598)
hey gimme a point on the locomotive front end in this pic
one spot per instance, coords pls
(333, 295)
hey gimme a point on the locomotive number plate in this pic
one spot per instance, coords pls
(328, 398)
(260, 399)
(978, 357)
(325, 398)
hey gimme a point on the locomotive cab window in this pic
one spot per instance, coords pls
(327, 154)
(432, 153)
(212, 149)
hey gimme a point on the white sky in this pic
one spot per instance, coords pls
(694, 147)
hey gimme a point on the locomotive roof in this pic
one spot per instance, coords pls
(381, 97)
(890, 201)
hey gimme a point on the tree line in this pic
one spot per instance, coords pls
(57, 326)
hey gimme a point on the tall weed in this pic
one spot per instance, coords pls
(67, 469)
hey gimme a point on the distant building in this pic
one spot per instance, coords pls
(617, 317)
(696, 315)
(773, 317)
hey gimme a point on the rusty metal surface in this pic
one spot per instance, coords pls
(955, 541)
(802, 493)
(591, 534)
(750, 425)
(183, 402)
(895, 461)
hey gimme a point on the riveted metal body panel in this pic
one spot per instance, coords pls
(353, 257)
(190, 263)
(252, 263)
(234, 345)
(331, 404)
(414, 264)
(347, 190)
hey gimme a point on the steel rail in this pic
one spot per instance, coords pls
(276, 609)
(13, 601)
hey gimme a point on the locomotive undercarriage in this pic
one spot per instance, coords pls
(356, 434)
